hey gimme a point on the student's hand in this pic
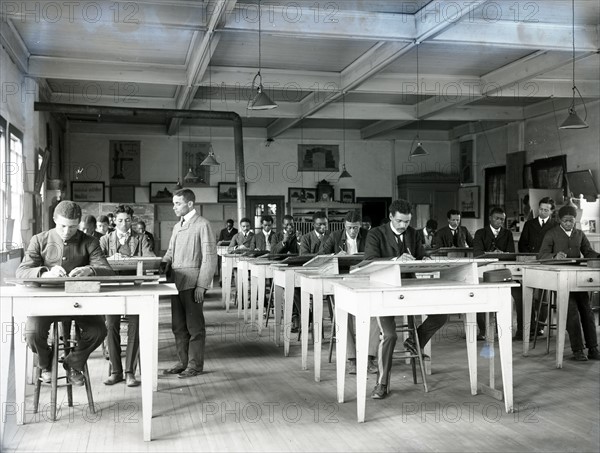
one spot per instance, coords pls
(164, 267)
(82, 271)
(199, 294)
(560, 256)
(55, 272)
(406, 257)
(241, 247)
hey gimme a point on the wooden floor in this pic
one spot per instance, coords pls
(251, 398)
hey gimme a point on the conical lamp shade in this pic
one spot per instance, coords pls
(345, 173)
(261, 101)
(189, 175)
(419, 151)
(210, 160)
(573, 121)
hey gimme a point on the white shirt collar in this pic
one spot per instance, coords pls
(394, 230)
(189, 215)
(266, 234)
(496, 232)
(568, 233)
(123, 235)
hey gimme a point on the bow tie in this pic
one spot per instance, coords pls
(122, 235)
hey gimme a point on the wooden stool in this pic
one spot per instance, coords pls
(547, 299)
(411, 327)
(56, 345)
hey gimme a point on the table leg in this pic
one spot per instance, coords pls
(243, 271)
(253, 293)
(146, 362)
(362, 346)
(8, 336)
(226, 281)
(155, 309)
(289, 303)
(305, 308)
(277, 312)
(318, 327)
(470, 321)
(427, 351)
(341, 325)
(562, 305)
(260, 282)
(240, 291)
(527, 297)
(504, 320)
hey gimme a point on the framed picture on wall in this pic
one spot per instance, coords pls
(227, 192)
(468, 202)
(347, 195)
(302, 195)
(124, 162)
(318, 158)
(122, 194)
(83, 191)
(466, 171)
(192, 173)
(162, 192)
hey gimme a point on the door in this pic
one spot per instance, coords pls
(259, 205)
(376, 208)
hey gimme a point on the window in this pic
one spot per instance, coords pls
(4, 185)
(13, 173)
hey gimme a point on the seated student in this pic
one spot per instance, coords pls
(242, 239)
(64, 251)
(262, 240)
(227, 233)
(311, 243)
(123, 242)
(425, 235)
(88, 226)
(140, 227)
(452, 235)
(103, 225)
(350, 241)
(366, 223)
(530, 242)
(566, 241)
(496, 238)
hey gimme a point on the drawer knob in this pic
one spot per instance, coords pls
(401, 296)
(590, 279)
(471, 294)
(518, 269)
(76, 305)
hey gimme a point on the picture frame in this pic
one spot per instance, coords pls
(347, 195)
(319, 158)
(193, 174)
(302, 195)
(122, 194)
(466, 170)
(325, 191)
(227, 192)
(124, 162)
(162, 192)
(86, 191)
(468, 202)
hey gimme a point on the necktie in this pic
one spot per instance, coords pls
(455, 238)
(182, 220)
(543, 221)
(399, 240)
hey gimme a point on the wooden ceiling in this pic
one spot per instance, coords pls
(492, 61)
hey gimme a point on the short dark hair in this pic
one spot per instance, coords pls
(366, 218)
(452, 212)
(567, 210)
(431, 223)
(89, 219)
(266, 218)
(547, 200)
(497, 210)
(319, 215)
(353, 217)
(287, 217)
(187, 195)
(229, 221)
(141, 222)
(401, 206)
(245, 219)
(124, 209)
(102, 219)
(68, 209)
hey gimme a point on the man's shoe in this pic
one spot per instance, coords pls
(130, 380)
(114, 378)
(410, 346)
(379, 392)
(518, 336)
(351, 366)
(175, 369)
(46, 375)
(75, 377)
(480, 337)
(372, 367)
(189, 372)
(593, 354)
(579, 356)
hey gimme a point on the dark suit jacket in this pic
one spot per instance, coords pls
(444, 237)
(310, 244)
(421, 237)
(138, 244)
(381, 243)
(533, 233)
(239, 239)
(336, 242)
(225, 235)
(556, 240)
(258, 240)
(47, 250)
(484, 241)
(278, 246)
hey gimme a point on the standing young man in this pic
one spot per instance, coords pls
(190, 261)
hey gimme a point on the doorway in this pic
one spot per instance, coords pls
(259, 205)
(376, 208)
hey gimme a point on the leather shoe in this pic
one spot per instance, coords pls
(379, 392)
(189, 372)
(114, 378)
(46, 375)
(411, 347)
(593, 354)
(75, 377)
(372, 367)
(518, 336)
(579, 356)
(130, 380)
(351, 366)
(175, 369)
(480, 337)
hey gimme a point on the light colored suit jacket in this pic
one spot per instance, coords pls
(138, 244)
(240, 239)
(192, 254)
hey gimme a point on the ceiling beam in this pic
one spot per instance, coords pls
(14, 45)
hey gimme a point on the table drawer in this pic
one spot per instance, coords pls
(79, 305)
(588, 278)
